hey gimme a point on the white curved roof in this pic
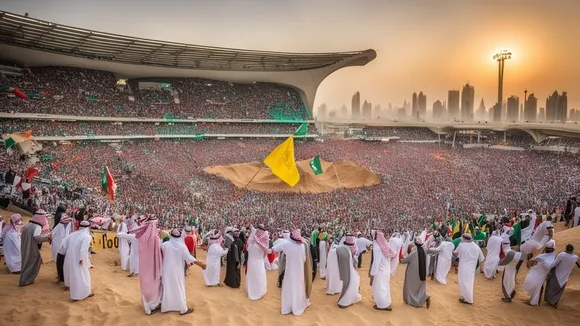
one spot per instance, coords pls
(32, 42)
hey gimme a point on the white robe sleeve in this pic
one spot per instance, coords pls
(555, 262)
(187, 256)
(279, 247)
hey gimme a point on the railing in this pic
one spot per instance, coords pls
(40, 116)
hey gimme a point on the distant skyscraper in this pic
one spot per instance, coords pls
(513, 108)
(367, 110)
(467, 102)
(531, 108)
(453, 104)
(377, 112)
(406, 106)
(322, 111)
(542, 115)
(563, 107)
(414, 106)
(557, 107)
(421, 106)
(355, 105)
(481, 110)
(344, 111)
(438, 110)
(390, 108)
(496, 112)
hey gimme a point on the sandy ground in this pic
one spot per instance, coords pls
(116, 301)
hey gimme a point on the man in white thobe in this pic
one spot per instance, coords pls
(396, 244)
(380, 271)
(215, 252)
(346, 254)
(444, 260)
(544, 232)
(333, 282)
(494, 244)
(77, 261)
(175, 257)
(59, 232)
(322, 256)
(534, 282)
(362, 244)
(470, 256)
(295, 298)
(132, 243)
(124, 248)
(258, 245)
(10, 238)
(508, 279)
(561, 269)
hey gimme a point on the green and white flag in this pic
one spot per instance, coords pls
(315, 165)
(302, 130)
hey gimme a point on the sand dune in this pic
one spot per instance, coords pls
(116, 301)
(342, 174)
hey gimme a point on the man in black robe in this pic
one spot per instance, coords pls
(233, 277)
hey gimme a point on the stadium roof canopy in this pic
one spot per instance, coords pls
(32, 42)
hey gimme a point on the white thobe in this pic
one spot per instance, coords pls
(492, 260)
(124, 249)
(352, 294)
(175, 255)
(509, 274)
(381, 273)
(333, 282)
(133, 251)
(469, 254)
(537, 276)
(526, 233)
(12, 253)
(77, 251)
(294, 300)
(211, 274)
(256, 282)
(396, 244)
(322, 258)
(564, 264)
(444, 260)
(58, 235)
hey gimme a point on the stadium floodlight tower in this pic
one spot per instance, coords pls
(501, 57)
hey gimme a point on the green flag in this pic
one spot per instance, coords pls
(302, 130)
(481, 220)
(517, 235)
(315, 165)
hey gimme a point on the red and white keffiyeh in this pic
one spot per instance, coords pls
(262, 239)
(384, 245)
(41, 218)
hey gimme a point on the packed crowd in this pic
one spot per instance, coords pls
(49, 128)
(166, 178)
(83, 92)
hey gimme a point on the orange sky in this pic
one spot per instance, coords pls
(423, 45)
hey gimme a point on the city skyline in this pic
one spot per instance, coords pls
(428, 46)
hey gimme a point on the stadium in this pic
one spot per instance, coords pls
(161, 115)
(128, 132)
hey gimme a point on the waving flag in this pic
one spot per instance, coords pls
(108, 184)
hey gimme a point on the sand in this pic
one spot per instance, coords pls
(341, 174)
(116, 301)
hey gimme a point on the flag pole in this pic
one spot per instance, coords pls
(252, 179)
(336, 173)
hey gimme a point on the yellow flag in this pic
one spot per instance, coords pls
(281, 162)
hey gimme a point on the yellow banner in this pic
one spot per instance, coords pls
(105, 240)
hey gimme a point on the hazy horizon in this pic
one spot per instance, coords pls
(422, 45)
